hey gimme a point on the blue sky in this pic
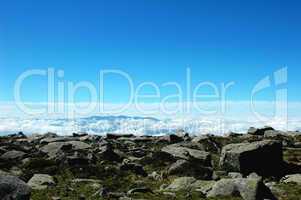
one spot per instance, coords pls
(151, 40)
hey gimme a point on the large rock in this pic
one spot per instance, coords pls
(114, 136)
(12, 188)
(185, 153)
(284, 137)
(247, 188)
(2, 173)
(297, 145)
(78, 158)
(57, 139)
(274, 134)
(13, 155)
(188, 168)
(258, 131)
(52, 149)
(171, 138)
(41, 181)
(264, 158)
(19, 135)
(138, 139)
(135, 168)
(138, 152)
(3, 150)
(203, 186)
(207, 143)
(189, 184)
(159, 158)
(183, 183)
(107, 152)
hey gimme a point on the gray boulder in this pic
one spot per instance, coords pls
(183, 183)
(171, 138)
(234, 175)
(190, 184)
(264, 158)
(188, 168)
(41, 181)
(12, 188)
(207, 143)
(203, 186)
(115, 136)
(13, 155)
(4, 173)
(258, 131)
(247, 188)
(52, 149)
(137, 139)
(179, 167)
(184, 153)
(274, 134)
(133, 167)
(297, 145)
(58, 139)
(78, 158)
(106, 152)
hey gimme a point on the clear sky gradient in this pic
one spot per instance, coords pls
(151, 40)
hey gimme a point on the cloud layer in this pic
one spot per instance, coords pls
(237, 116)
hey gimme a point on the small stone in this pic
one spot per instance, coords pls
(293, 178)
(170, 194)
(140, 190)
(82, 197)
(254, 175)
(234, 175)
(155, 176)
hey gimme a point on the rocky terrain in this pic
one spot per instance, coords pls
(261, 164)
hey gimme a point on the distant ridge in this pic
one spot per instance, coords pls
(119, 117)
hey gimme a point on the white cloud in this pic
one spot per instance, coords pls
(237, 117)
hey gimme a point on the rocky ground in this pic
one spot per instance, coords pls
(262, 164)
